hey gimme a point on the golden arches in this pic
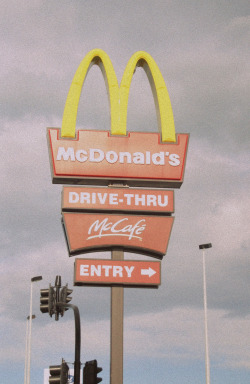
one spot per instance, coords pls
(118, 97)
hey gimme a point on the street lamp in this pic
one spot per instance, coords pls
(203, 247)
(33, 280)
(26, 347)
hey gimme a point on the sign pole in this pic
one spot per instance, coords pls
(116, 332)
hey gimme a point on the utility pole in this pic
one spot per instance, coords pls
(203, 247)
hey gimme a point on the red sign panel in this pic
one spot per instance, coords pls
(97, 157)
(88, 232)
(111, 272)
(117, 199)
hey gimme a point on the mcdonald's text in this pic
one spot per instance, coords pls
(96, 155)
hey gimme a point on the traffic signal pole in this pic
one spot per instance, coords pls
(77, 364)
(55, 301)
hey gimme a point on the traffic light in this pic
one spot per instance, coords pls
(59, 373)
(50, 299)
(90, 372)
(47, 300)
(64, 297)
(57, 293)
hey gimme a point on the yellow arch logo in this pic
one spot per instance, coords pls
(118, 96)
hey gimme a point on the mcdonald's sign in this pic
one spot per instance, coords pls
(99, 157)
(99, 199)
(89, 232)
(103, 272)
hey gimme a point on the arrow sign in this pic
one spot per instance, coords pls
(148, 272)
(112, 272)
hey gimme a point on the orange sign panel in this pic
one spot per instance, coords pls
(88, 232)
(139, 158)
(111, 272)
(117, 199)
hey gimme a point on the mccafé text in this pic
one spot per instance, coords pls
(116, 228)
(95, 155)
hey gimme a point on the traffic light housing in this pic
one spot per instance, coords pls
(59, 373)
(50, 299)
(47, 300)
(64, 298)
(90, 372)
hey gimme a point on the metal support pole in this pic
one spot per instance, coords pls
(203, 247)
(29, 338)
(117, 305)
(77, 364)
(34, 279)
(205, 316)
(26, 350)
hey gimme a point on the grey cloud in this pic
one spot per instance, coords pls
(201, 51)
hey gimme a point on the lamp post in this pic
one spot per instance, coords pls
(26, 347)
(33, 279)
(203, 247)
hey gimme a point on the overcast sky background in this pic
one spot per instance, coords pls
(201, 48)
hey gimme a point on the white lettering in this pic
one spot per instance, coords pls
(96, 155)
(138, 158)
(65, 154)
(139, 200)
(174, 160)
(117, 270)
(84, 270)
(98, 225)
(129, 270)
(162, 204)
(99, 229)
(151, 199)
(128, 196)
(148, 157)
(81, 155)
(158, 158)
(113, 198)
(73, 197)
(107, 268)
(95, 270)
(85, 197)
(122, 155)
(114, 230)
(111, 157)
(102, 198)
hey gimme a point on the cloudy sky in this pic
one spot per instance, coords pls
(201, 49)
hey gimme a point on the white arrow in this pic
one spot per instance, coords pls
(150, 272)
